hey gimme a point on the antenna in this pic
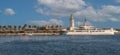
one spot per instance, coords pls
(85, 20)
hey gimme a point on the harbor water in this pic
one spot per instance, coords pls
(60, 45)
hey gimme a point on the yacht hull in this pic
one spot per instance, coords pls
(89, 33)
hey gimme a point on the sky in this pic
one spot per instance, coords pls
(100, 13)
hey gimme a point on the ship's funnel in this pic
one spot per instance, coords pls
(71, 22)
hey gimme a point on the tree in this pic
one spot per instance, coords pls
(19, 27)
(15, 27)
(4, 27)
(29, 26)
(9, 27)
(56, 26)
(24, 26)
(60, 26)
(0, 27)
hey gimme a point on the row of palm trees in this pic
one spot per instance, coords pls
(9, 27)
(25, 26)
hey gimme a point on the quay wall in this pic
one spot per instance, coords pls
(22, 34)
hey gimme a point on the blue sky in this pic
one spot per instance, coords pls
(100, 13)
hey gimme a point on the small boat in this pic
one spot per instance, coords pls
(27, 34)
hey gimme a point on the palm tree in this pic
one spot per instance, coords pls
(56, 26)
(15, 27)
(10, 27)
(29, 26)
(60, 26)
(24, 26)
(36, 27)
(0, 27)
(19, 27)
(4, 29)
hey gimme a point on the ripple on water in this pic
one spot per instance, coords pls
(60, 45)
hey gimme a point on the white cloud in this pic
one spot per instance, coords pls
(9, 11)
(114, 19)
(59, 7)
(49, 22)
(79, 8)
(88, 13)
(118, 0)
(106, 13)
(109, 12)
(111, 9)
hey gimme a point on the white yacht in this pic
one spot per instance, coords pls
(86, 29)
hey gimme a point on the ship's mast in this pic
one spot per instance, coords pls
(71, 22)
(85, 22)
